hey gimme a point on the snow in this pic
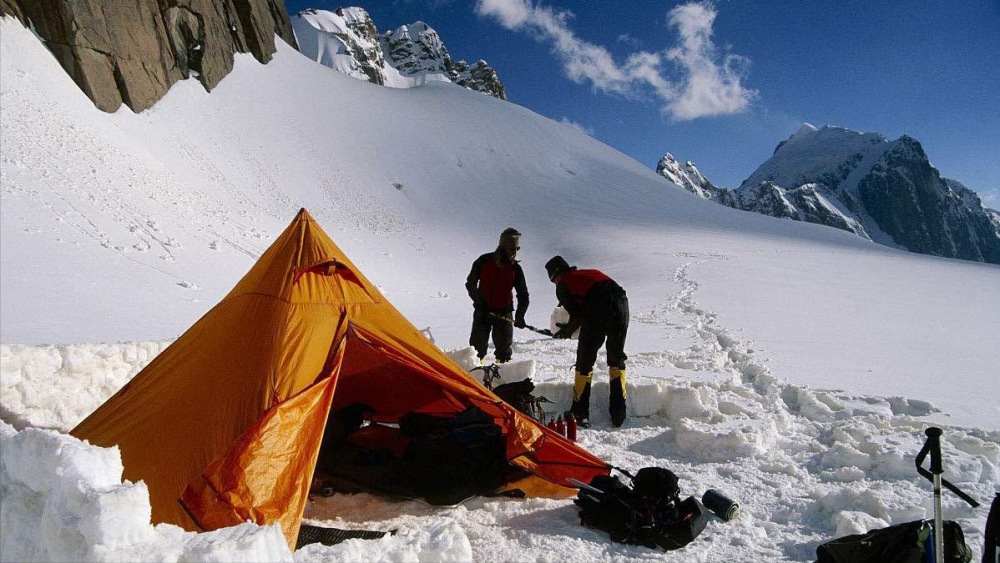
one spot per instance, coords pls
(58, 386)
(812, 152)
(791, 366)
(64, 500)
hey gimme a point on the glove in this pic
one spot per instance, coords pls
(563, 332)
(519, 322)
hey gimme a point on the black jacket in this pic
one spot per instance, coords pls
(491, 281)
(585, 294)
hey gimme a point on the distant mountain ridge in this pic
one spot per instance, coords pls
(885, 191)
(347, 40)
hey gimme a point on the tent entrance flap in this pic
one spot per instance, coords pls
(264, 477)
(388, 384)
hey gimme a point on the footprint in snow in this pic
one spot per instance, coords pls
(187, 285)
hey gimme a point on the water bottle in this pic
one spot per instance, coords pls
(571, 427)
(723, 506)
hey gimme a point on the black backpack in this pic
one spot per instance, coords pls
(902, 543)
(518, 395)
(451, 459)
(649, 513)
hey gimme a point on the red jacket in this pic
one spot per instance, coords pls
(491, 283)
(581, 291)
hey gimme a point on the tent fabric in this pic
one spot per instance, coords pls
(231, 415)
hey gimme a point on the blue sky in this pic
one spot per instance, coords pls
(722, 83)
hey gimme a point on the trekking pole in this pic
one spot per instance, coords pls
(581, 485)
(543, 331)
(933, 447)
(934, 442)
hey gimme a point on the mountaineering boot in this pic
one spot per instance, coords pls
(581, 398)
(616, 402)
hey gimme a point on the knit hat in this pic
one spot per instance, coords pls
(556, 265)
(510, 238)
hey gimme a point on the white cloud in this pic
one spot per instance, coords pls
(705, 84)
(578, 126)
(710, 87)
(989, 198)
(628, 40)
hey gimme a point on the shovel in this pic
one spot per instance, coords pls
(543, 331)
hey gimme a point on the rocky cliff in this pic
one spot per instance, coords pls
(133, 51)
(885, 191)
(347, 40)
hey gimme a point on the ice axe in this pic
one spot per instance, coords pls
(544, 331)
(933, 447)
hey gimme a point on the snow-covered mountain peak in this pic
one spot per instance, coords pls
(410, 55)
(824, 155)
(345, 40)
(341, 21)
(353, 14)
(886, 191)
(416, 48)
(686, 176)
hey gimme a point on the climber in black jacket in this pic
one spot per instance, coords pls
(491, 282)
(599, 308)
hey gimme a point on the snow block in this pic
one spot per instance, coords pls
(63, 500)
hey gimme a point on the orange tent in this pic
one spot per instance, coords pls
(225, 425)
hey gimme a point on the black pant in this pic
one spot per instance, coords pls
(607, 319)
(503, 333)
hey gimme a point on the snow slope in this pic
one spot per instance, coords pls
(129, 227)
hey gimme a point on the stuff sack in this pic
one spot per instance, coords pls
(903, 543)
(650, 513)
(450, 460)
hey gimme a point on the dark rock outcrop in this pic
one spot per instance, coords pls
(133, 51)
(480, 77)
(924, 212)
(10, 8)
